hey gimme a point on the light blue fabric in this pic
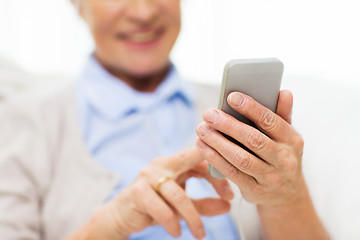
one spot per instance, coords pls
(124, 130)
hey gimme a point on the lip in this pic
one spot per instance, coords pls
(141, 38)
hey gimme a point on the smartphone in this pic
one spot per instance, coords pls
(258, 78)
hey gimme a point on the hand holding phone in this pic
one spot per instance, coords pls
(258, 78)
(272, 179)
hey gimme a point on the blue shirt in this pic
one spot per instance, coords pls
(124, 130)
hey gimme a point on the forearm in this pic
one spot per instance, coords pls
(98, 228)
(297, 220)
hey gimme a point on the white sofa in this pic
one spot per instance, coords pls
(328, 117)
(15, 82)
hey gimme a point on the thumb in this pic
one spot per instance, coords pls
(285, 104)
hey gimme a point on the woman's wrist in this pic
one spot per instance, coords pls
(99, 227)
(298, 199)
(296, 218)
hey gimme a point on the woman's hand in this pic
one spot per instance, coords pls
(139, 205)
(273, 176)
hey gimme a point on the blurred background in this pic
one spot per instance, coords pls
(44, 43)
(315, 39)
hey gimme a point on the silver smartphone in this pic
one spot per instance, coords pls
(258, 78)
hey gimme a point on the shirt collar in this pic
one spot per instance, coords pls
(112, 98)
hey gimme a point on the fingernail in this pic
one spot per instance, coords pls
(211, 116)
(236, 99)
(201, 144)
(201, 233)
(204, 129)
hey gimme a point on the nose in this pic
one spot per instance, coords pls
(143, 11)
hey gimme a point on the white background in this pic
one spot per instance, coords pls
(316, 39)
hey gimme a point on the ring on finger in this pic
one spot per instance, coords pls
(160, 182)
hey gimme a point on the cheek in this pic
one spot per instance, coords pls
(172, 17)
(102, 19)
(173, 11)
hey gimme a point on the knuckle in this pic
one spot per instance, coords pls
(283, 154)
(289, 162)
(211, 155)
(242, 160)
(178, 198)
(228, 126)
(143, 173)
(268, 120)
(138, 189)
(299, 143)
(257, 141)
(181, 156)
(231, 171)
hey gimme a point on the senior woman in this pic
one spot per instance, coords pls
(88, 163)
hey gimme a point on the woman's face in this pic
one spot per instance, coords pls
(133, 36)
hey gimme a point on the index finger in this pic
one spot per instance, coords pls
(177, 197)
(266, 120)
(180, 162)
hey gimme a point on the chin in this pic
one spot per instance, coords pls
(133, 63)
(142, 69)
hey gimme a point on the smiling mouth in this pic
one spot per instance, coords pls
(142, 36)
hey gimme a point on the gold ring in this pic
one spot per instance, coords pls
(160, 182)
